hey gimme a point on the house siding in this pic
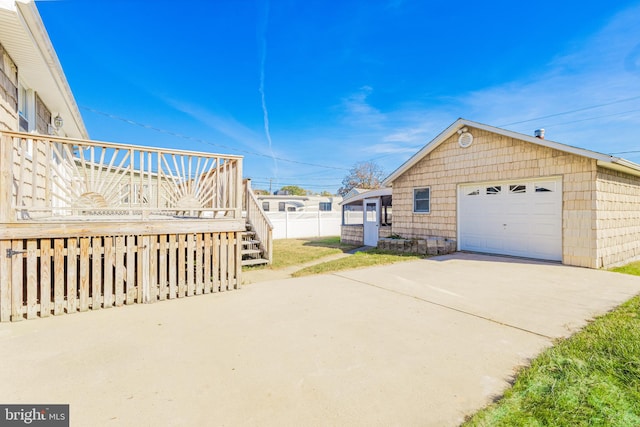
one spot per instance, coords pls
(494, 157)
(8, 92)
(618, 217)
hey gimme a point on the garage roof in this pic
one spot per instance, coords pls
(604, 160)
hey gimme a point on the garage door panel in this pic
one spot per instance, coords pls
(516, 221)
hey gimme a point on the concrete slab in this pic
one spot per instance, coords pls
(368, 348)
(546, 298)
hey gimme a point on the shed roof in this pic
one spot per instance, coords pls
(379, 192)
(604, 160)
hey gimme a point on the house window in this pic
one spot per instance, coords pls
(325, 206)
(281, 207)
(291, 209)
(422, 200)
(24, 109)
(265, 206)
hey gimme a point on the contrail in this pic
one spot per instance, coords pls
(265, 112)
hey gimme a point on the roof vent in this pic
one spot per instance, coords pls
(539, 133)
(465, 139)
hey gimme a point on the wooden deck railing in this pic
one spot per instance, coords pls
(259, 220)
(44, 178)
(89, 225)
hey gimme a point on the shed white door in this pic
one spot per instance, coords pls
(371, 222)
(521, 218)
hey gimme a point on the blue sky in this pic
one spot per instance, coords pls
(305, 89)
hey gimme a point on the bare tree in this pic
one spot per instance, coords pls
(366, 175)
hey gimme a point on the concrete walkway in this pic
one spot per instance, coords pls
(414, 344)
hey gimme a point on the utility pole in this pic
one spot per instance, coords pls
(270, 180)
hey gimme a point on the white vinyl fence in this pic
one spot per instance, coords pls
(289, 225)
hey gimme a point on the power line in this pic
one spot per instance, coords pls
(191, 138)
(573, 111)
(593, 118)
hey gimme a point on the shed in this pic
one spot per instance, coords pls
(366, 217)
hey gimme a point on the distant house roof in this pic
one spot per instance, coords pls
(354, 191)
(604, 160)
(24, 37)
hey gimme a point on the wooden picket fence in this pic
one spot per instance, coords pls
(40, 277)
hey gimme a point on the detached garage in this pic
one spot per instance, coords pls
(496, 191)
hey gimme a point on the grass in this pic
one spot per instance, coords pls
(288, 252)
(360, 259)
(633, 269)
(589, 379)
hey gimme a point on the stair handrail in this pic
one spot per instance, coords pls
(259, 220)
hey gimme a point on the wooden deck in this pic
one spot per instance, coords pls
(86, 225)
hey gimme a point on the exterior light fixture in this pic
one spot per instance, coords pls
(58, 122)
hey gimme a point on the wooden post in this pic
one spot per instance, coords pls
(84, 273)
(224, 261)
(32, 278)
(144, 269)
(72, 277)
(6, 179)
(130, 270)
(198, 264)
(96, 276)
(239, 189)
(120, 271)
(152, 270)
(45, 277)
(173, 263)
(107, 296)
(238, 248)
(207, 262)
(191, 253)
(58, 278)
(5, 281)
(16, 281)
(162, 266)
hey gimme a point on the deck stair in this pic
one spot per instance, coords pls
(257, 239)
(253, 252)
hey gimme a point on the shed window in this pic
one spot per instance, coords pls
(325, 206)
(422, 200)
(265, 206)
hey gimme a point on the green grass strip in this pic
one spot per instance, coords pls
(589, 379)
(358, 260)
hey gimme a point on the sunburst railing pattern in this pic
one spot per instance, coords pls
(50, 178)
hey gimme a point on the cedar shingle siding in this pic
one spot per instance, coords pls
(601, 207)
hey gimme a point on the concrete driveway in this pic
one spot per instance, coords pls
(418, 343)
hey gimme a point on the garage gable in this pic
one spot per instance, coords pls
(460, 125)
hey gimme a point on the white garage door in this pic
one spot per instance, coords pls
(521, 218)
